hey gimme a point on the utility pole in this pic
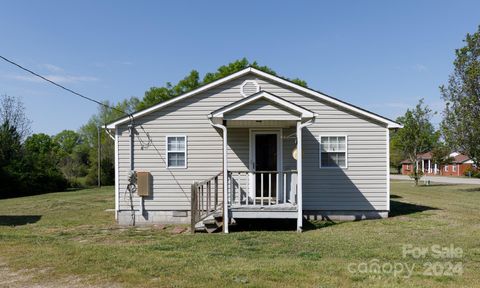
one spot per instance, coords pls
(99, 160)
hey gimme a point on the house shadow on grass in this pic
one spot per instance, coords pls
(398, 208)
(18, 220)
(243, 225)
(475, 189)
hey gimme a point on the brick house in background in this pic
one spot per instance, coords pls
(459, 165)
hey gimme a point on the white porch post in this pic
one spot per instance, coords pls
(423, 166)
(300, 177)
(435, 168)
(429, 166)
(300, 126)
(226, 217)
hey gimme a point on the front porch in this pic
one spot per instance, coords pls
(274, 198)
(262, 162)
(262, 194)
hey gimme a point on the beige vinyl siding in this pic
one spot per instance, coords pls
(261, 110)
(360, 187)
(238, 149)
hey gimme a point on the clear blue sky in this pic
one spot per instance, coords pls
(379, 55)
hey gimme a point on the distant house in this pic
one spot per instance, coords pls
(251, 145)
(459, 165)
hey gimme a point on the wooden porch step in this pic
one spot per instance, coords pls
(210, 224)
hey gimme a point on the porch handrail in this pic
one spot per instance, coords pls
(258, 171)
(201, 199)
(275, 187)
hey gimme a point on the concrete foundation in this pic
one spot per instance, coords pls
(146, 218)
(126, 217)
(344, 215)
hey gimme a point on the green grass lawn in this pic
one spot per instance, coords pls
(69, 239)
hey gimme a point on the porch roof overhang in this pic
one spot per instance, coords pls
(289, 110)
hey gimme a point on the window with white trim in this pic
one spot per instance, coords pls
(446, 168)
(333, 151)
(454, 168)
(176, 147)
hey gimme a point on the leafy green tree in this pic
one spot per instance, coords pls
(441, 155)
(89, 134)
(417, 136)
(40, 171)
(73, 155)
(396, 154)
(10, 144)
(10, 160)
(461, 122)
(67, 140)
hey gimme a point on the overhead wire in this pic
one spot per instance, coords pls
(64, 88)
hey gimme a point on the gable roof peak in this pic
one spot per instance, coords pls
(389, 123)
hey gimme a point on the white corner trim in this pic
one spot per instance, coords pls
(388, 169)
(245, 83)
(117, 178)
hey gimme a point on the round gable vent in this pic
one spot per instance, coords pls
(249, 87)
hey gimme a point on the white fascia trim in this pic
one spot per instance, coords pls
(304, 113)
(179, 98)
(390, 124)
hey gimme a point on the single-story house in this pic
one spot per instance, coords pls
(424, 163)
(459, 165)
(251, 145)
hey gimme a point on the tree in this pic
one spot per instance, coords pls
(441, 155)
(12, 111)
(461, 116)
(40, 172)
(192, 81)
(89, 134)
(396, 155)
(73, 155)
(10, 159)
(10, 144)
(417, 136)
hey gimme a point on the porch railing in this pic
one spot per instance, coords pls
(204, 199)
(262, 188)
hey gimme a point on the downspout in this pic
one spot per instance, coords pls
(226, 219)
(300, 126)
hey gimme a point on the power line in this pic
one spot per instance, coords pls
(63, 87)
